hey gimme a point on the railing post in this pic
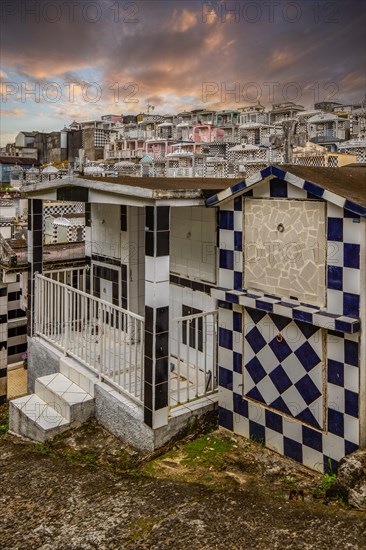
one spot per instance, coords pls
(67, 319)
(100, 340)
(199, 358)
(34, 319)
(215, 344)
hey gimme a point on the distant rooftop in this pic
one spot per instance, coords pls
(18, 160)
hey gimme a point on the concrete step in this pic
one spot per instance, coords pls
(66, 397)
(78, 374)
(30, 416)
(59, 403)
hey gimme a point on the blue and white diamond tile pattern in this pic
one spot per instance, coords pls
(286, 398)
(283, 366)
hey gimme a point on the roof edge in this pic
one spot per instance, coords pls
(307, 185)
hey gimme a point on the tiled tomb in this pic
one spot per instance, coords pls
(290, 347)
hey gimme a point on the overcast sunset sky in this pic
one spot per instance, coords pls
(64, 60)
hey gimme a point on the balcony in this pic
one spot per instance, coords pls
(227, 139)
(329, 137)
(122, 155)
(109, 340)
(180, 172)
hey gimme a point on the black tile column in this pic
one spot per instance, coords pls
(3, 341)
(156, 365)
(35, 252)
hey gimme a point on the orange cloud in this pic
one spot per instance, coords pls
(13, 112)
(183, 21)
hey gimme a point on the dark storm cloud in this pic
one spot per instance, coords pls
(170, 51)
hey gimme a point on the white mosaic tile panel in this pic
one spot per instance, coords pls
(284, 251)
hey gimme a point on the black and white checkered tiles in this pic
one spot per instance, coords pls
(296, 401)
(61, 208)
(360, 152)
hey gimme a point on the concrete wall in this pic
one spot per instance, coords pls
(122, 417)
(74, 143)
(43, 359)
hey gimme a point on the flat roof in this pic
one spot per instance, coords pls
(60, 254)
(347, 182)
(135, 190)
(17, 160)
(167, 184)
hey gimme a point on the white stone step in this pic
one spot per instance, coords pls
(32, 417)
(66, 397)
(78, 374)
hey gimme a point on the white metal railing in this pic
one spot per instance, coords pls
(105, 338)
(193, 357)
(71, 276)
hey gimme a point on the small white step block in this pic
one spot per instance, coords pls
(32, 417)
(78, 374)
(66, 397)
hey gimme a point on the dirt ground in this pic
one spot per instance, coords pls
(86, 491)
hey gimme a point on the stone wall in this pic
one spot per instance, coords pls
(43, 359)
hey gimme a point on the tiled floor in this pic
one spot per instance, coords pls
(183, 387)
(17, 382)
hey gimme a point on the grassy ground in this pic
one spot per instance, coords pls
(215, 459)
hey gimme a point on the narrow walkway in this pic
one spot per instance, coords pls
(17, 382)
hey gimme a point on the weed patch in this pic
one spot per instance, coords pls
(208, 452)
(4, 419)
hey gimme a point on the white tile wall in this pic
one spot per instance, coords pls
(105, 230)
(192, 245)
(180, 295)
